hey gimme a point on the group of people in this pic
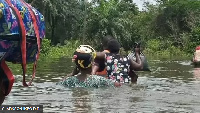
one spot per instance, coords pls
(101, 69)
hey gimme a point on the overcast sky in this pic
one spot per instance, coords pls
(140, 3)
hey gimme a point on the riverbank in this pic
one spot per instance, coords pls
(152, 51)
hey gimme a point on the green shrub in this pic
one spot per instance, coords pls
(153, 44)
(159, 49)
(58, 51)
(45, 47)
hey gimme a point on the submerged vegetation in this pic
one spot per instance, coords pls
(170, 28)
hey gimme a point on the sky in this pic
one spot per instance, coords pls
(140, 3)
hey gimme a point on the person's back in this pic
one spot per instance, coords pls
(99, 64)
(118, 67)
(91, 81)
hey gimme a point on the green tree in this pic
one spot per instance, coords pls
(63, 18)
(113, 17)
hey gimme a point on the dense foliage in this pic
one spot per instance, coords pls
(170, 25)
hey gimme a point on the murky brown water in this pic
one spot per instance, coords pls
(172, 86)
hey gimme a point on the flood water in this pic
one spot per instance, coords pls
(171, 87)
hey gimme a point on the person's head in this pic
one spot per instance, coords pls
(83, 57)
(114, 46)
(105, 41)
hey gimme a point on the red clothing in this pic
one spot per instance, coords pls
(198, 48)
(104, 72)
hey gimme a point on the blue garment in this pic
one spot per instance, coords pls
(9, 23)
(10, 34)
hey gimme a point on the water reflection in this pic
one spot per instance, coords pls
(196, 72)
(81, 100)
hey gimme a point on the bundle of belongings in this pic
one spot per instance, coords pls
(142, 56)
(22, 28)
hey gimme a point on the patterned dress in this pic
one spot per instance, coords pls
(118, 68)
(93, 81)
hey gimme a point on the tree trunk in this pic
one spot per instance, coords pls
(85, 21)
(53, 38)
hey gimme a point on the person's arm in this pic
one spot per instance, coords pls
(95, 68)
(133, 76)
(108, 82)
(99, 56)
(138, 64)
(74, 72)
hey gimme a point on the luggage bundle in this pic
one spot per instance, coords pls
(142, 56)
(22, 29)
